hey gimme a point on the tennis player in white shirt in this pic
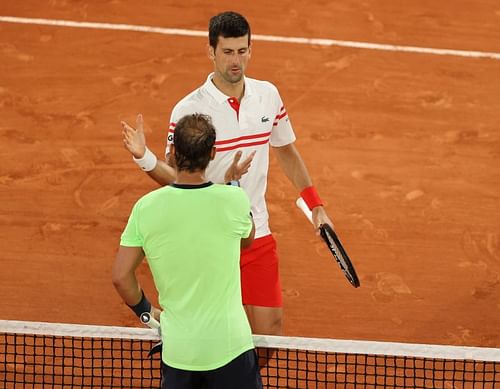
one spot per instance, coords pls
(250, 118)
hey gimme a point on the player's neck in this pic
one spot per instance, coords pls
(228, 88)
(190, 178)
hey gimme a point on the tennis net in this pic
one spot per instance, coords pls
(46, 355)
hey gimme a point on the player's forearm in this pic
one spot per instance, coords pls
(293, 166)
(157, 169)
(163, 173)
(296, 171)
(128, 288)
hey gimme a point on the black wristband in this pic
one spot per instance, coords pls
(142, 306)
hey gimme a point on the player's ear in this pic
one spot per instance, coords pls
(249, 51)
(212, 153)
(211, 52)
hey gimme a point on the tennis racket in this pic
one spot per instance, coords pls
(333, 242)
(148, 320)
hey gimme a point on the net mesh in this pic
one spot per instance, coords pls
(40, 355)
(76, 362)
(315, 369)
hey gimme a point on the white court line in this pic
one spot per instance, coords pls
(268, 38)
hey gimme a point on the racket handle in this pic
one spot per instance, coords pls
(304, 208)
(148, 320)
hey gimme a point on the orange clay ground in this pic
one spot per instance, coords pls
(403, 147)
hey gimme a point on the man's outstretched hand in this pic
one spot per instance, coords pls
(237, 170)
(134, 139)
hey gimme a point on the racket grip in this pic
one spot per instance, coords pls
(148, 320)
(304, 208)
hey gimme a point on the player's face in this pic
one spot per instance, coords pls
(231, 58)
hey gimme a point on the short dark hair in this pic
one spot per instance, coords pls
(194, 139)
(228, 25)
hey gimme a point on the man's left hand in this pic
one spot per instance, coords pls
(237, 170)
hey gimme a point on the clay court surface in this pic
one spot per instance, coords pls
(403, 147)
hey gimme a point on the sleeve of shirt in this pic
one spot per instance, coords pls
(170, 132)
(282, 132)
(131, 236)
(243, 225)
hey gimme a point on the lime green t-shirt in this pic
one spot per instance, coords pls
(191, 237)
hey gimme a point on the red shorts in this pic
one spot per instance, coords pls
(260, 277)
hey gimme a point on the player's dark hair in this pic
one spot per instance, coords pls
(228, 25)
(194, 139)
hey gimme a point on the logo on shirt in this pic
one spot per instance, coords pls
(170, 137)
(264, 119)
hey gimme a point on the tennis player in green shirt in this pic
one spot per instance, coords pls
(191, 233)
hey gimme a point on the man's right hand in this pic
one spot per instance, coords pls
(134, 139)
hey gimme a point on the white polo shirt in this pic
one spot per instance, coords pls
(261, 120)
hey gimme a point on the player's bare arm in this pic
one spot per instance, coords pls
(123, 274)
(124, 278)
(294, 168)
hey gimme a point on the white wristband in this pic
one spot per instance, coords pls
(147, 162)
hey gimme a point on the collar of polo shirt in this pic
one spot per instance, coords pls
(221, 97)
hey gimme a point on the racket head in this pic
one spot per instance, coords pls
(332, 241)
